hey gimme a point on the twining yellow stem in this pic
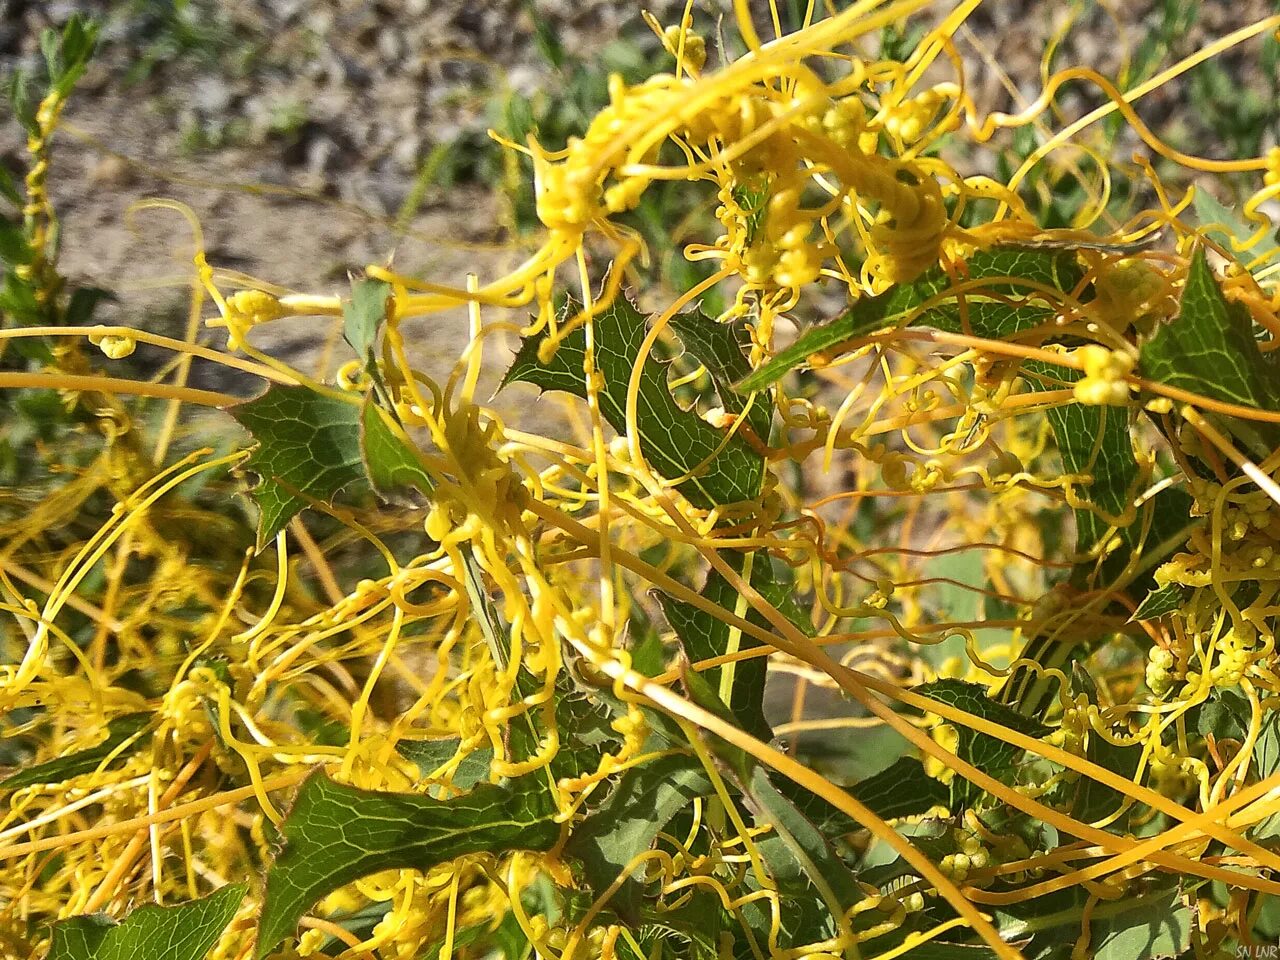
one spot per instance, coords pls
(124, 862)
(678, 706)
(180, 812)
(92, 384)
(859, 686)
(1159, 80)
(155, 339)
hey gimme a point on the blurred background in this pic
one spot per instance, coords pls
(311, 138)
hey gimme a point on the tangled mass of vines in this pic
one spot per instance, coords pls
(1005, 509)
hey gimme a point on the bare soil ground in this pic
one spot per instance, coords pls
(296, 130)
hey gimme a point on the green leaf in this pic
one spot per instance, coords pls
(903, 789)
(803, 864)
(1266, 761)
(648, 655)
(546, 40)
(1092, 800)
(389, 460)
(674, 440)
(431, 755)
(721, 348)
(1228, 227)
(308, 448)
(1160, 602)
(88, 760)
(993, 757)
(19, 92)
(185, 931)
(696, 922)
(902, 303)
(336, 834)
(363, 314)
(14, 249)
(1209, 348)
(1094, 440)
(1226, 715)
(82, 304)
(639, 806)
(704, 636)
(18, 300)
(811, 859)
(9, 187)
(69, 55)
(1148, 925)
(941, 950)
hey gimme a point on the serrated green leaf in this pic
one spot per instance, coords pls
(811, 858)
(364, 314)
(993, 757)
(703, 636)
(674, 440)
(1228, 227)
(335, 834)
(431, 755)
(638, 807)
(388, 459)
(185, 931)
(88, 760)
(308, 447)
(721, 348)
(978, 313)
(696, 923)
(1159, 602)
(1209, 348)
(590, 719)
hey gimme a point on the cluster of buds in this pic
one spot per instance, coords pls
(1104, 376)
